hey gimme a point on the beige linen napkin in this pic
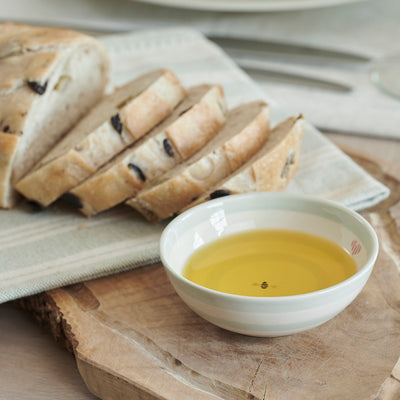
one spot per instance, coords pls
(58, 246)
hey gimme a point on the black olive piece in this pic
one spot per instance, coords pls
(35, 207)
(168, 148)
(285, 171)
(290, 160)
(37, 87)
(177, 362)
(116, 123)
(6, 128)
(219, 193)
(138, 171)
(72, 200)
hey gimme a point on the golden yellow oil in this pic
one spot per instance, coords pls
(269, 263)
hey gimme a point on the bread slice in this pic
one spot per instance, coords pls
(244, 133)
(119, 120)
(193, 122)
(271, 169)
(49, 79)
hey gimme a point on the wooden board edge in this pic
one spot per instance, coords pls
(48, 315)
(390, 389)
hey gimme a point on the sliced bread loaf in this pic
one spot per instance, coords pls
(244, 133)
(49, 79)
(271, 169)
(192, 123)
(119, 120)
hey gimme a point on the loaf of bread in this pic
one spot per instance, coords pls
(271, 169)
(116, 122)
(244, 133)
(192, 123)
(49, 79)
(151, 143)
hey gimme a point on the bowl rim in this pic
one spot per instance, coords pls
(211, 204)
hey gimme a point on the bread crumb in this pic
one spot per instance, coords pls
(82, 226)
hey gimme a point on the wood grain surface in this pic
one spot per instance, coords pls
(132, 337)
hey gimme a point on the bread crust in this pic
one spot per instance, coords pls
(152, 106)
(8, 146)
(193, 123)
(179, 188)
(30, 64)
(274, 173)
(271, 169)
(16, 71)
(27, 54)
(73, 161)
(206, 117)
(20, 38)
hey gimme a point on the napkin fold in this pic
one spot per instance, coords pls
(56, 247)
(364, 27)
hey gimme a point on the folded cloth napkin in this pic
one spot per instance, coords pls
(56, 247)
(366, 27)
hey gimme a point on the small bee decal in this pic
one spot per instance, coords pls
(264, 285)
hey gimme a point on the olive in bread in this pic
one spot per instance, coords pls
(50, 78)
(116, 122)
(271, 169)
(192, 123)
(244, 133)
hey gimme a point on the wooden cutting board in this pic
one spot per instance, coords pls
(133, 338)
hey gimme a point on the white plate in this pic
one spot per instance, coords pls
(248, 5)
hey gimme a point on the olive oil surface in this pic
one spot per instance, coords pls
(269, 263)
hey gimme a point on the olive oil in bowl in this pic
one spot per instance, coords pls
(269, 263)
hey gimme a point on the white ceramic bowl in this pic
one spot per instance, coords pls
(268, 316)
